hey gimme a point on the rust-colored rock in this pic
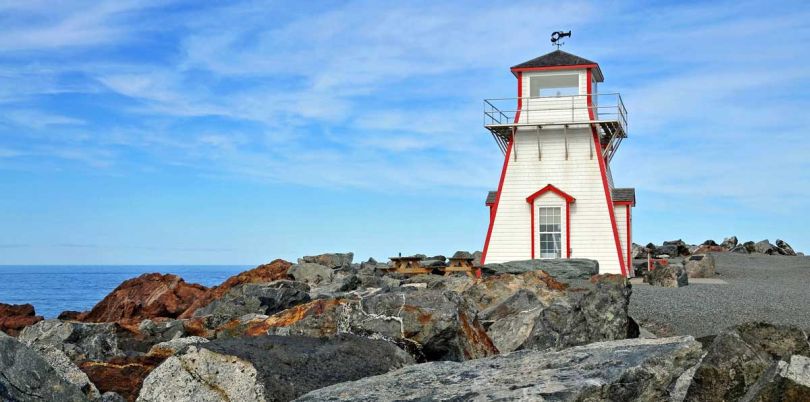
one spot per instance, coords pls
(123, 375)
(15, 317)
(321, 308)
(263, 273)
(147, 296)
(706, 248)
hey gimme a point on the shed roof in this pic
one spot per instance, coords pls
(624, 195)
(559, 58)
(491, 197)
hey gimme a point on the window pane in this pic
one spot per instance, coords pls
(550, 232)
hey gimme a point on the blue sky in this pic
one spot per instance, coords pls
(138, 132)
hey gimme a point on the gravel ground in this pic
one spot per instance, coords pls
(773, 289)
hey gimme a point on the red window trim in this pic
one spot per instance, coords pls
(568, 200)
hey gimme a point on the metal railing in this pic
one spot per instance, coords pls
(550, 110)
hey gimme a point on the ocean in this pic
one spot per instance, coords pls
(56, 288)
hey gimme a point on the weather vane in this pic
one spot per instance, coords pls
(556, 36)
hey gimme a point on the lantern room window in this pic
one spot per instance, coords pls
(554, 85)
(550, 232)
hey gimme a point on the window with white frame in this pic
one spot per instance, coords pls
(554, 85)
(550, 232)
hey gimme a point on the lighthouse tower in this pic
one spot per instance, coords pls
(556, 197)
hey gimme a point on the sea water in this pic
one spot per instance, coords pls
(56, 288)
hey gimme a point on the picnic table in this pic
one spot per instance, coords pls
(409, 266)
(460, 264)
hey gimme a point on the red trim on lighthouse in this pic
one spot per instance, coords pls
(603, 171)
(568, 200)
(494, 210)
(551, 68)
(629, 238)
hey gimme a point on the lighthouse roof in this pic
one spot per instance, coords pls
(624, 195)
(559, 59)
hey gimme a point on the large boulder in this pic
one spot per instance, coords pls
(744, 248)
(679, 246)
(255, 298)
(432, 324)
(729, 243)
(784, 248)
(671, 275)
(26, 376)
(79, 341)
(626, 370)
(534, 310)
(739, 357)
(638, 251)
(765, 247)
(147, 296)
(330, 260)
(15, 317)
(786, 381)
(322, 280)
(264, 273)
(700, 266)
(67, 369)
(561, 269)
(268, 368)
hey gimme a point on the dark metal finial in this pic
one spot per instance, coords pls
(556, 36)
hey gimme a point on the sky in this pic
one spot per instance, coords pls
(184, 132)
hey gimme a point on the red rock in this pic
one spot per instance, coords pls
(15, 317)
(123, 375)
(147, 296)
(263, 273)
(709, 249)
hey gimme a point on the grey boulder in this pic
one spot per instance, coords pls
(672, 275)
(268, 368)
(729, 242)
(700, 266)
(561, 269)
(67, 369)
(330, 260)
(637, 370)
(255, 298)
(785, 248)
(26, 376)
(765, 247)
(79, 341)
(322, 280)
(742, 360)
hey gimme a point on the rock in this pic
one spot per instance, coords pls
(534, 310)
(432, 324)
(262, 274)
(122, 375)
(672, 275)
(709, 242)
(455, 283)
(175, 346)
(765, 247)
(785, 248)
(26, 376)
(638, 251)
(707, 248)
(783, 381)
(312, 274)
(562, 269)
(15, 317)
(674, 248)
(332, 260)
(700, 266)
(729, 243)
(627, 370)
(147, 296)
(477, 258)
(111, 397)
(740, 356)
(70, 315)
(462, 254)
(67, 369)
(256, 298)
(268, 368)
(79, 341)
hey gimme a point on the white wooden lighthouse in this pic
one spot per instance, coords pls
(556, 197)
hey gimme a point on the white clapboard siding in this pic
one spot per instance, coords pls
(621, 224)
(579, 175)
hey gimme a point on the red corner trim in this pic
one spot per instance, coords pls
(629, 203)
(494, 211)
(629, 237)
(569, 199)
(603, 171)
(554, 190)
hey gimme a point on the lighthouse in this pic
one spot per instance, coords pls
(556, 197)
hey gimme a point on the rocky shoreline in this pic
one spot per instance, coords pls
(326, 328)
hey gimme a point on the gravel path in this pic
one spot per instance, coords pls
(773, 289)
